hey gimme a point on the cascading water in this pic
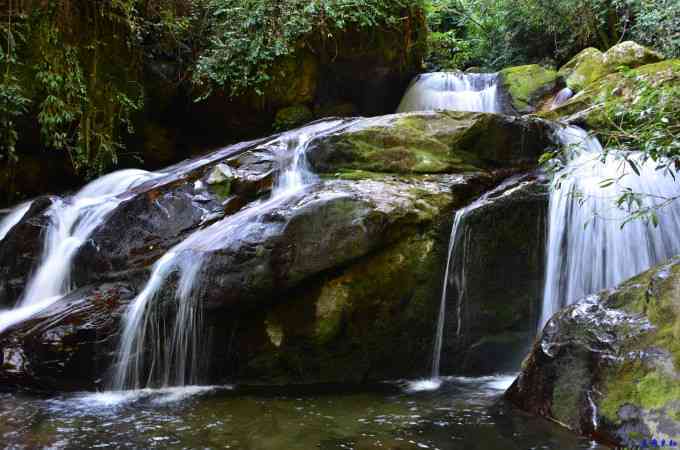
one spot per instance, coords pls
(71, 222)
(456, 92)
(454, 275)
(13, 218)
(154, 353)
(452, 91)
(582, 261)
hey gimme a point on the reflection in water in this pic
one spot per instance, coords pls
(465, 413)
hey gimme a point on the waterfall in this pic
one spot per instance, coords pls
(13, 218)
(155, 352)
(72, 221)
(454, 275)
(452, 91)
(582, 261)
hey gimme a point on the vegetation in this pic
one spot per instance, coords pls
(250, 35)
(77, 66)
(500, 33)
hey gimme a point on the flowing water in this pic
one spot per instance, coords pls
(158, 353)
(588, 250)
(13, 218)
(457, 92)
(452, 91)
(464, 414)
(455, 276)
(71, 221)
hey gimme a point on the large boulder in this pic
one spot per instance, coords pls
(591, 64)
(597, 103)
(630, 54)
(441, 142)
(608, 367)
(583, 69)
(526, 86)
(294, 286)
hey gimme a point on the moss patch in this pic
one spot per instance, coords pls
(526, 85)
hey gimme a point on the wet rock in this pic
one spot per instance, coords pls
(492, 307)
(67, 346)
(335, 223)
(608, 367)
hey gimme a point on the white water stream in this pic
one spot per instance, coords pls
(156, 354)
(71, 222)
(588, 250)
(452, 91)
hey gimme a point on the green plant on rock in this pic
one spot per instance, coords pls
(67, 65)
(13, 100)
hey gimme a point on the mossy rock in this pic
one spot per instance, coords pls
(616, 91)
(441, 142)
(583, 69)
(629, 54)
(527, 85)
(609, 366)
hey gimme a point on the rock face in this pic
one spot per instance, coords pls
(527, 85)
(609, 366)
(292, 289)
(68, 346)
(441, 142)
(496, 280)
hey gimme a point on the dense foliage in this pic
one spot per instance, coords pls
(500, 33)
(57, 66)
(77, 66)
(250, 35)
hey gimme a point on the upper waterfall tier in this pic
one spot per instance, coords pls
(452, 91)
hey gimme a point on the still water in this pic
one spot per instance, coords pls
(464, 413)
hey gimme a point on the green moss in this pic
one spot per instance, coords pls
(618, 90)
(527, 84)
(637, 385)
(656, 390)
(583, 69)
(654, 295)
(355, 318)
